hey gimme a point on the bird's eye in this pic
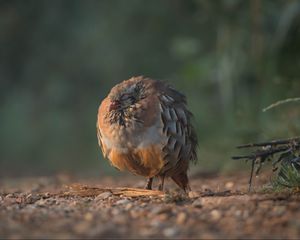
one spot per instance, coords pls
(125, 97)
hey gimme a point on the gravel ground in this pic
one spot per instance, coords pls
(218, 207)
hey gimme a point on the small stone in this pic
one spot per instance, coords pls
(121, 220)
(193, 194)
(81, 227)
(8, 201)
(156, 223)
(161, 210)
(87, 200)
(204, 187)
(229, 185)
(134, 214)
(163, 217)
(279, 210)
(29, 195)
(215, 214)
(47, 195)
(103, 196)
(143, 205)
(128, 206)
(41, 203)
(115, 211)
(10, 195)
(265, 205)
(198, 203)
(147, 232)
(122, 201)
(181, 218)
(170, 232)
(32, 198)
(238, 213)
(246, 214)
(74, 203)
(88, 217)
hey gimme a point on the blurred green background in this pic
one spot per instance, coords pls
(59, 59)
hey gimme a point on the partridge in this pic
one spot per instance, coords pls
(144, 126)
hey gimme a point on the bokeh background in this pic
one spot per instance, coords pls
(59, 59)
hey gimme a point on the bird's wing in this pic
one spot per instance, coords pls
(181, 144)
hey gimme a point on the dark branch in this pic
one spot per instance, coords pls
(262, 153)
(287, 149)
(271, 143)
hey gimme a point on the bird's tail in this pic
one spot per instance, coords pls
(182, 180)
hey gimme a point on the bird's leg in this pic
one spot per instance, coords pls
(161, 184)
(149, 183)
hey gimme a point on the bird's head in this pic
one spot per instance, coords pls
(125, 95)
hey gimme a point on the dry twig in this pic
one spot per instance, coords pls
(267, 151)
(280, 103)
(87, 191)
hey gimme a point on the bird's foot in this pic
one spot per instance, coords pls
(149, 184)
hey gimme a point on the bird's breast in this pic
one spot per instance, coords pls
(137, 149)
(136, 136)
(146, 161)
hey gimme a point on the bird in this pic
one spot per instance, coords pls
(144, 127)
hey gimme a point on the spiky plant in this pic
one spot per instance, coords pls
(288, 175)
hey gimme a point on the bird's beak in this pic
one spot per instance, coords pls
(114, 105)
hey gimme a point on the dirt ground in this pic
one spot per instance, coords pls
(218, 207)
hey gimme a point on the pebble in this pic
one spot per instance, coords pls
(278, 210)
(73, 203)
(238, 213)
(156, 223)
(181, 218)
(135, 214)
(128, 206)
(87, 199)
(147, 232)
(46, 195)
(142, 205)
(215, 214)
(160, 210)
(170, 232)
(29, 195)
(103, 196)
(193, 194)
(229, 185)
(88, 217)
(115, 211)
(10, 195)
(32, 198)
(122, 201)
(198, 203)
(163, 217)
(246, 214)
(41, 202)
(81, 227)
